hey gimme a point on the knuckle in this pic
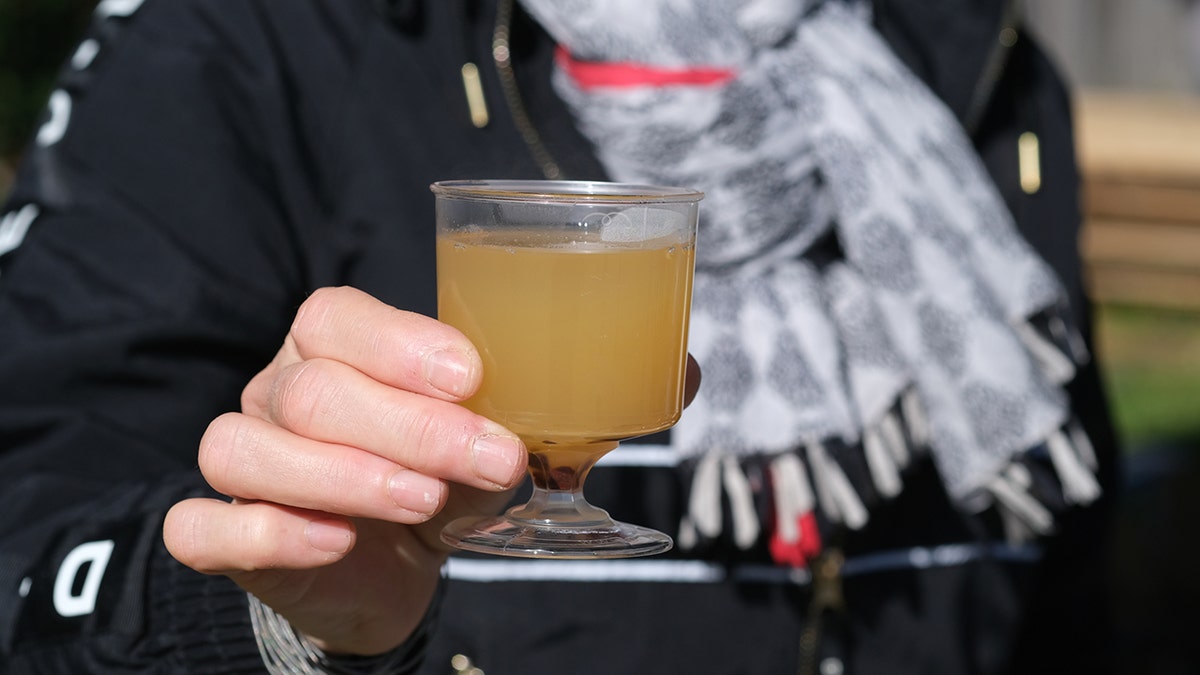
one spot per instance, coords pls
(434, 438)
(337, 484)
(263, 545)
(226, 451)
(305, 394)
(313, 314)
(420, 434)
(191, 536)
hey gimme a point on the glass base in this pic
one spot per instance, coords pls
(557, 521)
(519, 538)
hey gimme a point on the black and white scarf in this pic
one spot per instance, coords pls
(862, 294)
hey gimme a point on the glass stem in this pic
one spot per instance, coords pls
(558, 476)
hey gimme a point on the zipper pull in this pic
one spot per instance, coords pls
(827, 598)
(827, 582)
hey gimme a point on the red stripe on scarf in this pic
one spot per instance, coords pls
(625, 74)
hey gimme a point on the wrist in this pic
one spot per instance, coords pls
(285, 650)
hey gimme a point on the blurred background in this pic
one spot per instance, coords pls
(1134, 69)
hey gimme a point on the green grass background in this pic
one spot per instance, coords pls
(1150, 360)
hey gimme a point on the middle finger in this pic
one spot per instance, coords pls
(329, 401)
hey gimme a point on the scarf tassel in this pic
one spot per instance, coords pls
(806, 489)
(801, 490)
(1027, 507)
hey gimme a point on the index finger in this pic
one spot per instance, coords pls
(403, 349)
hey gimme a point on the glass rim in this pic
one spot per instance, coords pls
(563, 191)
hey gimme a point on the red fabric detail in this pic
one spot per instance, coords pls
(797, 553)
(625, 74)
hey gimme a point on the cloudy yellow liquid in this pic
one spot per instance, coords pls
(583, 344)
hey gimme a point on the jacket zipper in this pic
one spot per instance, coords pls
(826, 598)
(993, 69)
(502, 57)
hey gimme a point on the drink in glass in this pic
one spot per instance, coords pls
(577, 297)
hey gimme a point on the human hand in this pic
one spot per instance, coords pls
(348, 457)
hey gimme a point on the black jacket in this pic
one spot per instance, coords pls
(207, 164)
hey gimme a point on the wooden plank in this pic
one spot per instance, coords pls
(1139, 137)
(1163, 245)
(1117, 284)
(1115, 199)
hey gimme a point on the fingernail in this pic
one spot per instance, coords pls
(410, 494)
(329, 536)
(450, 371)
(498, 458)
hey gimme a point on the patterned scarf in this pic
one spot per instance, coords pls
(862, 294)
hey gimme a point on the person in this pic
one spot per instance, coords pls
(230, 431)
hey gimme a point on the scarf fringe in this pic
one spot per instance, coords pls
(819, 488)
(815, 483)
(835, 494)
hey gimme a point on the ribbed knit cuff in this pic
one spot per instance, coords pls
(204, 617)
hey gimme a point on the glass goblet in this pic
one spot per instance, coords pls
(577, 296)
